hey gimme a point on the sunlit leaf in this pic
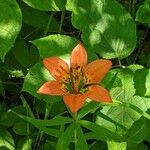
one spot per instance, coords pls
(10, 24)
(127, 112)
(107, 28)
(116, 145)
(6, 139)
(47, 5)
(55, 45)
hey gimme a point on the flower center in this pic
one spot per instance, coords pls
(76, 81)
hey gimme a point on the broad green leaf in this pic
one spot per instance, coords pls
(22, 128)
(37, 76)
(66, 138)
(103, 133)
(6, 139)
(124, 113)
(10, 24)
(116, 145)
(81, 142)
(142, 86)
(138, 132)
(47, 5)
(24, 144)
(140, 146)
(27, 57)
(38, 19)
(107, 28)
(55, 45)
(1, 87)
(143, 13)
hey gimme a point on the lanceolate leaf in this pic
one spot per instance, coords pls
(66, 138)
(47, 5)
(10, 24)
(103, 133)
(106, 27)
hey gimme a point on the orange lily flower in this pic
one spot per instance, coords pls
(77, 82)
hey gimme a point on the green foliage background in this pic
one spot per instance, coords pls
(31, 30)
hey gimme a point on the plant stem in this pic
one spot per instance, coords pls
(48, 24)
(62, 20)
(47, 110)
(75, 132)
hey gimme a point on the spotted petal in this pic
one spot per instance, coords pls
(57, 67)
(52, 88)
(98, 94)
(74, 101)
(78, 56)
(97, 69)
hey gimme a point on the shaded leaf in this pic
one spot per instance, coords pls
(143, 13)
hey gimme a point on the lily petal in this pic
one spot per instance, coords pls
(52, 88)
(78, 56)
(57, 67)
(74, 101)
(98, 94)
(97, 69)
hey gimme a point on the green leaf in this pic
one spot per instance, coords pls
(81, 142)
(24, 144)
(143, 13)
(140, 146)
(36, 76)
(138, 132)
(55, 45)
(1, 87)
(24, 55)
(58, 120)
(6, 139)
(10, 25)
(65, 139)
(116, 145)
(91, 106)
(38, 19)
(142, 86)
(103, 133)
(108, 29)
(22, 128)
(124, 113)
(28, 109)
(47, 5)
